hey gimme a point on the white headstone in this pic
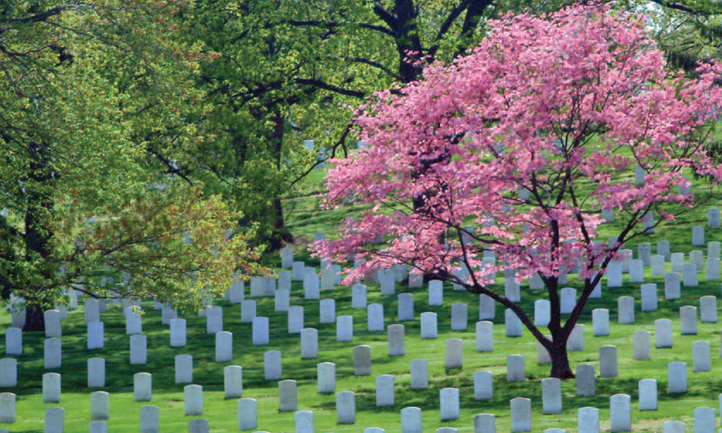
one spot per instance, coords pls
(96, 372)
(600, 322)
(142, 387)
(411, 420)
(487, 308)
(91, 311)
(614, 274)
(286, 257)
(708, 309)
(298, 270)
(697, 236)
(295, 319)
(52, 323)
(663, 249)
(620, 413)
(676, 377)
(649, 297)
(454, 353)
(344, 328)
(54, 420)
(429, 329)
(636, 271)
(99, 405)
(248, 311)
(287, 396)
(304, 421)
(359, 294)
(193, 397)
(95, 335)
(575, 343)
(309, 343)
(311, 284)
(701, 356)
(8, 372)
(459, 316)
(272, 365)
(483, 385)
(384, 390)
(625, 308)
(677, 262)
(395, 338)
(214, 320)
(345, 407)
(436, 293)
(326, 377)
(674, 427)
(647, 394)
(183, 369)
(642, 345)
(515, 368)
(405, 309)
(13, 341)
(362, 360)
(138, 349)
(327, 311)
(449, 401)
(247, 416)
(419, 372)
(236, 294)
(133, 321)
(689, 275)
(282, 300)
(520, 414)
(513, 324)
(224, 346)
(375, 319)
(177, 333)
(542, 312)
(260, 331)
(586, 380)
(712, 269)
(704, 420)
(713, 218)
(588, 420)
(688, 320)
(663, 333)
(608, 361)
(714, 249)
(484, 336)
(657, 266)
(149, 419)
(51, 388)
(672, 285)
(551, 396)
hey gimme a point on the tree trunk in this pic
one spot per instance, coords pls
(560, 362)
(34, 319)
(281, 234)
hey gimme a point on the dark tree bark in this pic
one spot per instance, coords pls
(38, 210)
(560, 361)
(34, 318)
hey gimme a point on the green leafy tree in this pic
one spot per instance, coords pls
(89, 93)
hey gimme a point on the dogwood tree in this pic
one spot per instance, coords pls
(559, 108)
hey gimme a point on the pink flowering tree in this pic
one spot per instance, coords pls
(515, 150)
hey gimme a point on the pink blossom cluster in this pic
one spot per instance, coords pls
(559, 108)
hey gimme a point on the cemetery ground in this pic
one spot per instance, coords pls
(704, 388)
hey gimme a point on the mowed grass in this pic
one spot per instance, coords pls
(704, 388)
(305, 216)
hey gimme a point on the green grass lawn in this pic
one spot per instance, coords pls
(703, 387)
(305, 216)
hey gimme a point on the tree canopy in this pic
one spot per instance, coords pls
(517, 147)
(89, 95)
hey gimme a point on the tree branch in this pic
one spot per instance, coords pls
(330, 87)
